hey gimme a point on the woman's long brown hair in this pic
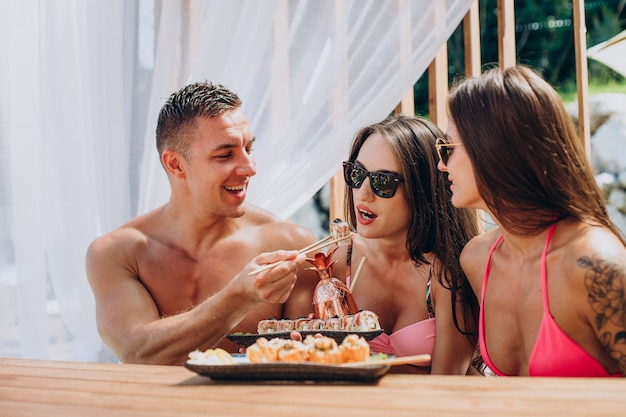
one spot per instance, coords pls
(531, 168)
(435, 226)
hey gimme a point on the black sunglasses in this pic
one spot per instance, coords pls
(444, 149)
(383, 184)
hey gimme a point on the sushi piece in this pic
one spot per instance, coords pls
(365, 321)
(267, 326)
(323, 350)
(354, 349)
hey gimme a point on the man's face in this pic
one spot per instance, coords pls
(221, 164)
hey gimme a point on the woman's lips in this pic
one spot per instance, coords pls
(365, 216)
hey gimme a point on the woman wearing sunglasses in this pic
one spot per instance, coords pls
(411, 236)
(551, 276)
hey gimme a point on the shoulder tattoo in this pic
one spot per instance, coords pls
(604, 281)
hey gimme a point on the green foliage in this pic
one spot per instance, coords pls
(569, 93)
(544, 35)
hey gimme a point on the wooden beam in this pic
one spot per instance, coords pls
(406, 105)
(506, 33)
(337, 187)
(438, 79)
(582, 80)
(438, 88)
(471, 41)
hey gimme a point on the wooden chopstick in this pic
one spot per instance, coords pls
(400, 360)
(313, 247)
(357, 273)
(306, 249)
(328, 243)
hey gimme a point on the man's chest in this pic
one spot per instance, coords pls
(178, 282)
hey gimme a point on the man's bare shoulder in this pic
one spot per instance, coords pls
(121, 246)
(130, 233)
(259, 216)
(122, 239)
(276, 233)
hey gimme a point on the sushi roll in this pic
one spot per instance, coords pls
(293, 351)
(323, 350)
(267, 326)
(354, 349)
(302, 324)
(316, 324)
(285, 325)
(346, 322)
(333, 323)
(365, 321)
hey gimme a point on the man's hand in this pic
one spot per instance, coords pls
(274, 285)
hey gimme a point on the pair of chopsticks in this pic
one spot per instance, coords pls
(327, 241)
(401, 360)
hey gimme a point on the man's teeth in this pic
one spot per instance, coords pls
(235, 188)
(366, 214)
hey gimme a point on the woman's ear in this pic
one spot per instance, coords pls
(174, 163)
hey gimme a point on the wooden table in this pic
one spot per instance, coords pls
(68, 389)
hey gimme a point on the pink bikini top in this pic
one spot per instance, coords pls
(554, 353)
(414, 339)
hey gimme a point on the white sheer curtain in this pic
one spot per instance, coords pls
(81, 83)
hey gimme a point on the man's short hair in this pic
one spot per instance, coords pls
(180, 112)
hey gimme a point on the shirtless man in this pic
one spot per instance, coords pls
(177, 278)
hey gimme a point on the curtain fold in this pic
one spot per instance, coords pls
(79, 98)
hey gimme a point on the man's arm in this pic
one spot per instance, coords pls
(128, 318)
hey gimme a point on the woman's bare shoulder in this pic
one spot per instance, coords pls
(474, 255)
(481, 244)
(604, 240)
(584, 246)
